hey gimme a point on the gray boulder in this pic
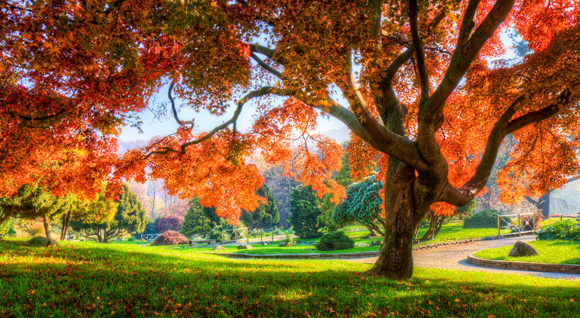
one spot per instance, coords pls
(219, 248)
(523, 249)
(245, 247)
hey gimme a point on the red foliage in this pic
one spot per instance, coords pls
(171, 238)
(168, 223)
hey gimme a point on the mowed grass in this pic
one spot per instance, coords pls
(551, 251)
(124, 280)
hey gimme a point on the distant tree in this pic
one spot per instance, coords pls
(169, 223)
(199, 219)
(305, 207)
(266, 214)
(130, 217)
(280, 186)
(362, 205)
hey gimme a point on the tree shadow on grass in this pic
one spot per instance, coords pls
(93, 281)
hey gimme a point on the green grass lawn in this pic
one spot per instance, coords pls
(551, 251)
(124, 280)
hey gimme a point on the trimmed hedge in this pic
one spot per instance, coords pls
(482, 220)
(171, 238)
(334, 241)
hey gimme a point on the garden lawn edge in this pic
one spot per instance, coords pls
(525, 266)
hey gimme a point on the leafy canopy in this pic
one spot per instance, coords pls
(412, 81)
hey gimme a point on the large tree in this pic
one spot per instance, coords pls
(421, 85)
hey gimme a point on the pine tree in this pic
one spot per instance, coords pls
(199, 219)
(130, 217)
(266, 214)
(306, 208)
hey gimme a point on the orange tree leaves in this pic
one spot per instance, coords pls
(71, 69)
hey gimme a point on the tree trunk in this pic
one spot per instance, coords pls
(46, 228)
(395, 257)
(65, 225)
(435, 223)
(371, 231)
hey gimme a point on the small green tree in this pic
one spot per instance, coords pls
(305, 207)
(266, 214)
(33, 201)
(130, 217)
(199, 219)
(362, 205)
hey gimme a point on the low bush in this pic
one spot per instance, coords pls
(287, 242)
(561, 230)
(334, 241)
(41, 241)
(171, 238)
(482, 220)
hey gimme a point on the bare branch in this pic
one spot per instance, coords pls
(266, 66)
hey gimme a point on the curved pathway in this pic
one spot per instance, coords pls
(455, 257)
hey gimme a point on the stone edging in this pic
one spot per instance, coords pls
(356, 255)
(525, 266)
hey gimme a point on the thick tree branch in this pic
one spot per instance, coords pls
(467, 23)
(419, 51)
(431, 112)
(466, 51)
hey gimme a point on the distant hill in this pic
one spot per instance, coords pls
(339, 134)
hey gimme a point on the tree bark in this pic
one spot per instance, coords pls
(396, 255)
(46, 227)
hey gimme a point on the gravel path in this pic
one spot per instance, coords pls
(455, 257)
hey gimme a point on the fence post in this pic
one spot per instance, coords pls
(519, 224)
(498, 227)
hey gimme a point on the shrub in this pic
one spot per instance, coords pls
(41, 241)
(561, 230)
(483, 219)
(169, 223)
(171, 238)
(287, 242)
(220, 232)
(334, 241)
